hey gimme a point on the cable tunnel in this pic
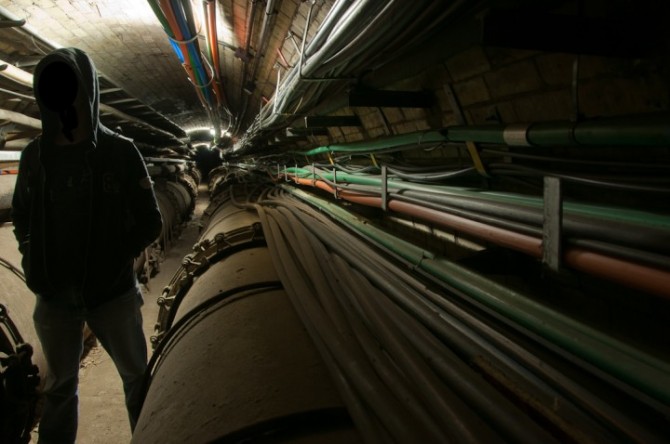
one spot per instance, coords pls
(382, 221)
(294, 320)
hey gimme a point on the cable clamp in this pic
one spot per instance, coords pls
(552, 224)
(384, 188)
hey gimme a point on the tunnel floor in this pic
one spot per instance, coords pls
(102, 415)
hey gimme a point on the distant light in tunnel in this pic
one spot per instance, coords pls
(203, 132)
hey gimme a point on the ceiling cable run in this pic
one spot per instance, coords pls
(332, 59)
(179, 23)
(249, 82)
(212, 40)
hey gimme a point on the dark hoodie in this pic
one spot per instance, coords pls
(117, 209)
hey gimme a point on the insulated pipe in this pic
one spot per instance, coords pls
(648, 130)
(230, 346)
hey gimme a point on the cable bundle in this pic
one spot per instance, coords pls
(177, 19)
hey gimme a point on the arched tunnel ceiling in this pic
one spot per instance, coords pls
(140, 73)
(147, 89)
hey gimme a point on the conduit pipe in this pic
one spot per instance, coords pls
(631, 365)
(225, 317)
(212, 40)
(609, 214)
(645, 278)
(427, 306)
(268, 22)
(16, 74)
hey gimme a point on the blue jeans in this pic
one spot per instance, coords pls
(59, 324)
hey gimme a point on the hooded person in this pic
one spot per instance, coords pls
(83, 209)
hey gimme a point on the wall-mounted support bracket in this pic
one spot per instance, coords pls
(384, 188)
(553, 223)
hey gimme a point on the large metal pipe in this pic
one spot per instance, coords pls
(176, 191)
(233, 361)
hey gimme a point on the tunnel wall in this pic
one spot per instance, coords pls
(488, 85)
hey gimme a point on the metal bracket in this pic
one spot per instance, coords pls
(384, 188)
(205, 254)
(553, 223)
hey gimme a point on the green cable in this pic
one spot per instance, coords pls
(614, 214)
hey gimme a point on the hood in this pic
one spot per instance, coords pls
(87, 78)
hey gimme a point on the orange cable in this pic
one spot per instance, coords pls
(642, 277)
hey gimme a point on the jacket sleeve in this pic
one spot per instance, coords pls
(21, 201)
(142, 204)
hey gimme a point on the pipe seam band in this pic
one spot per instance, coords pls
(516, 135)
